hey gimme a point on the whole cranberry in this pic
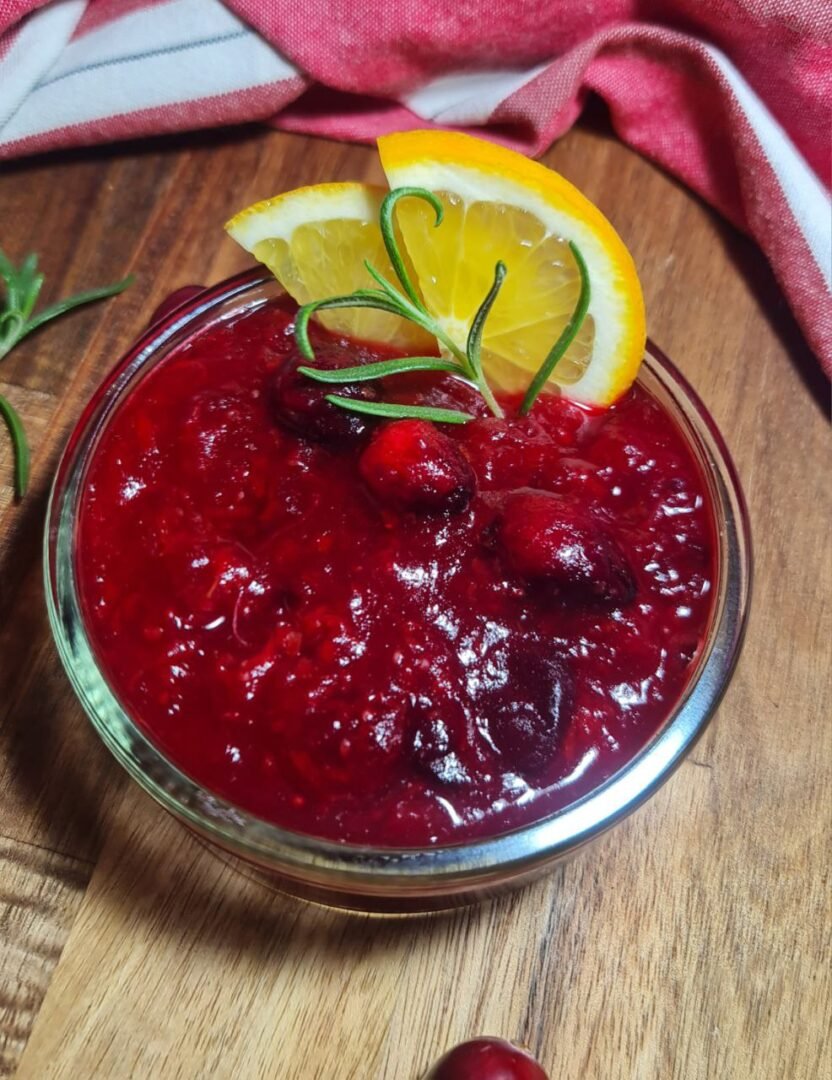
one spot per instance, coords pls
(411, 465)
(558, 542)
(300, 404)
(432, 746)
(530, 706)
(174, 300)
(487, 1059)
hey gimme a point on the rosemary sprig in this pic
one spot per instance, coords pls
(22, 285)
(407, 304)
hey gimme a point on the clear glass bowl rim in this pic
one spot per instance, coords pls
(375, 870)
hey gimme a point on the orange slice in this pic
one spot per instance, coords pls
(498, 206)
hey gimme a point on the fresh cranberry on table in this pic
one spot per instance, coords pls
(487, 1059)
(412, 465)
(558, 542)
(300, 404)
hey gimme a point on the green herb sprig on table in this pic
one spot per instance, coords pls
(22, 285)
(407, 304)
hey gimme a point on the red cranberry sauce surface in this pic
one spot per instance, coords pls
(389, 633)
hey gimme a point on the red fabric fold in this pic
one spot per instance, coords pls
(733, 97)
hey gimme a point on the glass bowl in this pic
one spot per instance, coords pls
(348, 875)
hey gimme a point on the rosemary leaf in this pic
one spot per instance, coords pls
(383, 283)
(20, 446)
(474, 344)
(401, 412)
(566, 338)
(11, 278)
(388, 233)
(365, 372)
(29, 282)
(363, 298)
(88, 297)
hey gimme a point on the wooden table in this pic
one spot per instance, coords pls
(691, 943)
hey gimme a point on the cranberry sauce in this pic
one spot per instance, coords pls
(390, 633)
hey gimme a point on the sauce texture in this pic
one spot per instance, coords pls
(352, 668)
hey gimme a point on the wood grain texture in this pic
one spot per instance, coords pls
(691, 943)
(40, 893)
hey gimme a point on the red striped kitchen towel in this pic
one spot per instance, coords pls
(732, 96)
